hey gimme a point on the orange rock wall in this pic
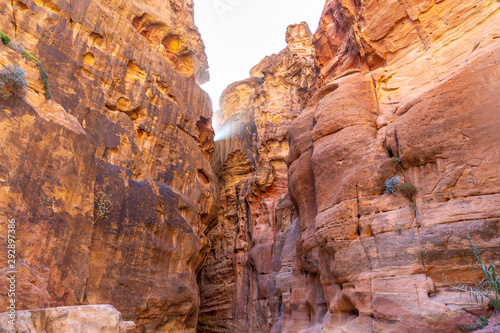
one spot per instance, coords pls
(128, 128)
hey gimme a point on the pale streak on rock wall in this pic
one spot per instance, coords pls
(238, 293)
(127, 119)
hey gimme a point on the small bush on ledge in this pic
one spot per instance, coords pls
(102, 206)
(408, 190)
(12, 82)
(392, 185)
(5, 38)
(395, 161)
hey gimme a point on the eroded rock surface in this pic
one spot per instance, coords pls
(109, 182)
(70, 319)
(408, 89)
(238, 293)
(403, 80)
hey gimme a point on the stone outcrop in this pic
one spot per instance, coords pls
(238, 293)
(70, 319)
(121, 196)
(405, 89)
(109, 181)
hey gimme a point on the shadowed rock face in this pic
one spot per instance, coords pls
(238, 293)
(109, 182)
(408, 89)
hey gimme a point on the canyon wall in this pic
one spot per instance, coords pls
(238, 293)
(105, 166)
(108, 166)
(406, 89)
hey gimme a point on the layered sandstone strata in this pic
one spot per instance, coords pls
(237, 283)
(109, 181)
(408, 89)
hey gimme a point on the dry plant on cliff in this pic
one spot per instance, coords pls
(12, 82)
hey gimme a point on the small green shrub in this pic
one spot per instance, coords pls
(30, 57)
(12, 81)
(5, 38)
(102, 205)
(280, 200)
(392, 185)
(488, 288)
(408, 190)
(482, 322)
(44, 77)
(45, 80)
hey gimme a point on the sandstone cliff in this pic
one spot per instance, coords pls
(109, 181)
(406, 88)
(424, 94)
(120, 196)
(237, 284)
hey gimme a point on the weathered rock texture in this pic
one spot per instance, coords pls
(109, 182)
(406, 88)
(237, 284)
(70, 319)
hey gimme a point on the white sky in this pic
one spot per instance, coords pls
(240, 33)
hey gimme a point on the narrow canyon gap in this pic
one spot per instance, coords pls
(131, 211)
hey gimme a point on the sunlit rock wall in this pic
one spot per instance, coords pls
(109, 182)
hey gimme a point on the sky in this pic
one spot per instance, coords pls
(238, 34)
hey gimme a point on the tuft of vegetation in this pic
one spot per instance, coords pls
(12, 82)
(45, 80)
(408, 190)
(44, 77)
(5, 39)
(395, 160)
(17, 47)
(486, 289)
(30, 57)
(392, 185)
(482, 322)
(102, 205)
(280, 200)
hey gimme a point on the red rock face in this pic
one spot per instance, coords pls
(380, 258)
(109, 181)
(115, 182)
(407, 89)
(238, 291)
